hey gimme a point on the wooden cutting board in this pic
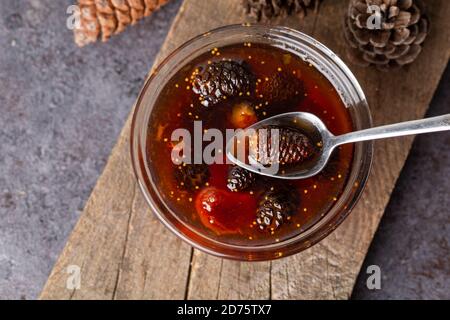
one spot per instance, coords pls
(124, 252)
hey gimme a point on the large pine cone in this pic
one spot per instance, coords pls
(275, 208)
(104, 18)
(388, 39)
(220, 80)
(268, 9)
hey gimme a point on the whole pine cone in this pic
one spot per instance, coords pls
(385, 33)
(268, 9)
(282, 88)
(293, 146)
(275, 208)
(104, 18)
(192, 176)
(220, 80)
(240, 179)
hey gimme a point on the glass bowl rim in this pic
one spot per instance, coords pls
(285, 247)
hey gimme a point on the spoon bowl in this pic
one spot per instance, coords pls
(308, 124)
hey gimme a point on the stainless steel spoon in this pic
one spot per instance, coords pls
(314, 128)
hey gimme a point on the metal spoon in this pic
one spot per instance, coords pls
(316, 130)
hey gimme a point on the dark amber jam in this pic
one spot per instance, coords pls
(210, 207)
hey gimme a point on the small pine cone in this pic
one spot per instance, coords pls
(276, 207)
(293, 146)
(240, 179)
(192, 176)
(388, 39)
(282, 88)
(104, 18)
(220, 80)
(263, 10)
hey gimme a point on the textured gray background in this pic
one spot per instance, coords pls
(62, 108)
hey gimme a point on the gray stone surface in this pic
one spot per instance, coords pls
(62, 108)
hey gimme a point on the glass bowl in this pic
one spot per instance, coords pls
(310, 51)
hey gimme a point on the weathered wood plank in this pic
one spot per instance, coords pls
(124, 252)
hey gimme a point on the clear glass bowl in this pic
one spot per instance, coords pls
(312, 52)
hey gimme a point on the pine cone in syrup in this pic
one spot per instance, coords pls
(294, 147)
(276, 207)
(220, 80)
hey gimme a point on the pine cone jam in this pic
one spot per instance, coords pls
(228, 88)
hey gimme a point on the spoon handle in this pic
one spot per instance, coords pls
(435, 124)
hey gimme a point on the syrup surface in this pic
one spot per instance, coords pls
(178, 107)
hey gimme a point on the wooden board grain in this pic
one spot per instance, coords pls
(124, 253)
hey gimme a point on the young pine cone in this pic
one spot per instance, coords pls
(282, 88)
(104, 18)
(275, 208)
(385, 33)
(220, 80)
(192, 176)
(268, 9)
(292, 147)
(240, 179)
